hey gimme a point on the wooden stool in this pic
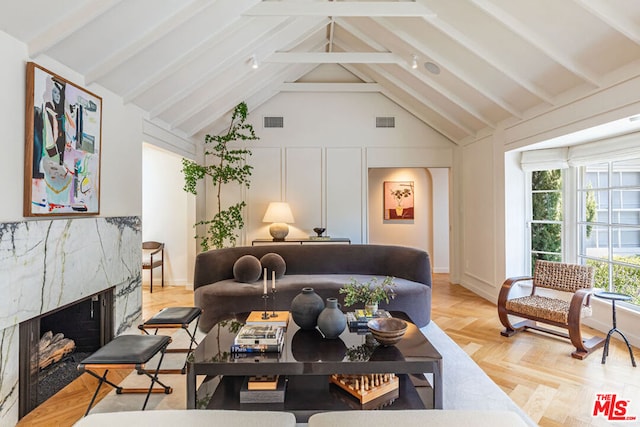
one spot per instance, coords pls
(127, 352)
(173, 318)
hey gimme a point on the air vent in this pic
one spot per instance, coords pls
(274, 122)
(385, 122)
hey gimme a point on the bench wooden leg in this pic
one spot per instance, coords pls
(583, 347)
(192, 341)
(152, 375)
(154, 379)
(101, 380)
(509, 328)
(512, 329)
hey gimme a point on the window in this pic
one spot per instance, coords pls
(609, 224)
(546, 215)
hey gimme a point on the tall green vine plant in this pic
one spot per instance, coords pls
(227, 166)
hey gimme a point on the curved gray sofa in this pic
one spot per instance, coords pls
(324, 267)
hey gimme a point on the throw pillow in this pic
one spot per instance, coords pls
(247, 269)
(273, 262)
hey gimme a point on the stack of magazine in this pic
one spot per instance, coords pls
(358, 319)
(258, 339)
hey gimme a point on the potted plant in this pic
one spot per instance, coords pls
(228, 166)
(370, 293)
(400, 195)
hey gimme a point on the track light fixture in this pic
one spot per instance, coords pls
(414, 62)
(254, 62)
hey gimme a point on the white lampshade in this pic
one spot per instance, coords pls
(278, 212)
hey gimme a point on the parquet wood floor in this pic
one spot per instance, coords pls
(535, 370)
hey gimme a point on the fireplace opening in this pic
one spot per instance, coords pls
(52, 345)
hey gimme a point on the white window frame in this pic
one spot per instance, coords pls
(529, 220)
(608, 223)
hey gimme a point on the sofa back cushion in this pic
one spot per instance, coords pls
(379, 260)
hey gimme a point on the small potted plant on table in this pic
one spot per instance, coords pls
(370, 293)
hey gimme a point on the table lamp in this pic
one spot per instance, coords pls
(279, 214)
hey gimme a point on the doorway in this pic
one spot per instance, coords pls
(168, 214)
(429, 228)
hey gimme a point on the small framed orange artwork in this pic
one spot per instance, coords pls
(398, 200)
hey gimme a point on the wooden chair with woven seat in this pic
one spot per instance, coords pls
(152, 257)
(573, 281)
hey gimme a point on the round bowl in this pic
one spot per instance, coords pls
(319, 230)
(387, 331)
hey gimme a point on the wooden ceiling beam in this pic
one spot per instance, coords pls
(492, 59)
(330, 87)
(545, 46)
(464, 75)
(427, 80)
(72, 23)
(334, 58)
(127, 52)
(613, 16)
(297, 8)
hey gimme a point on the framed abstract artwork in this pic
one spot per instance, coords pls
(62, 146)
(398, 200)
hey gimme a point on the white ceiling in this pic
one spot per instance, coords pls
(187, 63)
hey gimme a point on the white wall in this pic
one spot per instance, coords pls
(478, 209)
(319, 161)
(491, 195)
(417, 233)
(168, 214)
(120, 196)
(120, 189)
(441, 219)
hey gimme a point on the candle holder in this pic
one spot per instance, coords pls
(273, 312)
(265, 315)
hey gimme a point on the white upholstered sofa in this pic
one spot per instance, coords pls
(214, 418)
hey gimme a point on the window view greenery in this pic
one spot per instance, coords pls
(609, 224)
(546, 223)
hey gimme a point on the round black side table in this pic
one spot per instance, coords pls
(613, 297)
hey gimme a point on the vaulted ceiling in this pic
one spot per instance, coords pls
(463, 67)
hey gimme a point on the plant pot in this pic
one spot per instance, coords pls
(371, 309)
(305, 308)
(331, 320)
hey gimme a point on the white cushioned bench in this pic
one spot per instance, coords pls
(191, 418)
(417, 417)
(229, 418)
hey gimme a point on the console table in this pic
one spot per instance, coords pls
(335, 240)
(307, 360)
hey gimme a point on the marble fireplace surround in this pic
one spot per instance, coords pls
(47, 264)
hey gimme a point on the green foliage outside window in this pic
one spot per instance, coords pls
(626, 279)
(546, 206)
(228, 166)
(591, 209)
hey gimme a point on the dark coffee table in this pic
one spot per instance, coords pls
(307, 360)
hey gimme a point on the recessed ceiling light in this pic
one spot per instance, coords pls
(414, 62)
(432, 67)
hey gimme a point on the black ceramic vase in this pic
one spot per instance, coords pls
(331, 320)
(305, 308)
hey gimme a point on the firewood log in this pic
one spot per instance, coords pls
(45, 341)
(56, 351)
